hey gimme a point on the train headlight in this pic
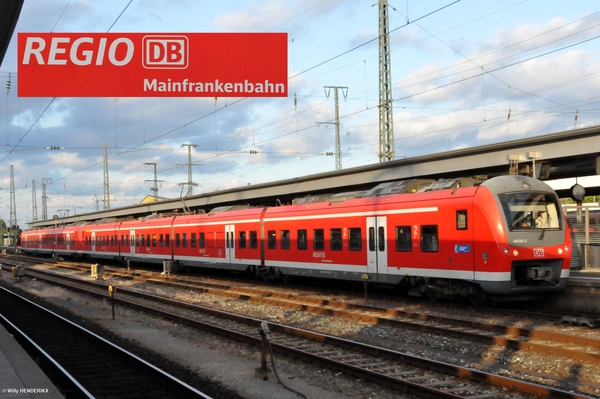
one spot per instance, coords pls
(515, 252)
(566, 248)
(560, 251)
(505, 251)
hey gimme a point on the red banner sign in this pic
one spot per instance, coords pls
(152, 65)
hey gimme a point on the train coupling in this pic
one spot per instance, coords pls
(541, 273)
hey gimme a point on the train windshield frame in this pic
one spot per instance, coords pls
(531, 211)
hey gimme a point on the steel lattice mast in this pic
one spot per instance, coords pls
(106, 182)
(45, 180)
(33, 202)
(156, 181)
(13, 203)
(338, 144)
(190, 183)
(386, 120)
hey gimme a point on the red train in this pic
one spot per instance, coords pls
(504, 238)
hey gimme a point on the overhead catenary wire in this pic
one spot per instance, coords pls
(233, 150)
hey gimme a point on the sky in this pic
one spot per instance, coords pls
(464, 73)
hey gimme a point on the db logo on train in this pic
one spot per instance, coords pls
(538, 252)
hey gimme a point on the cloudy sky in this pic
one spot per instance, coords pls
(465, 73)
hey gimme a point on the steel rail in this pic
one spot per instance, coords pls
(249, 333)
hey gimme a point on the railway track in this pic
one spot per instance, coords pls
(83, 364)
(391, 368)
(581, 347)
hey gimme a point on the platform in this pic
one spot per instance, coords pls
(20, 376)
(582, 293)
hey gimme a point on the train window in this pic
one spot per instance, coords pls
(153, 240)
(137, 240)
(194, 241)
(302, 239)
(177, 240)
(319, 239)
(184, 240)
(143, 241)
(403, 239)
(429, 238)
(127, 241)
(355, 239)
(381, 238)
(167, 241)
(461, 220)
(161, 240)
(148, 239)
(253, 240)
(335, 239)
(202, 240)
(272, 239)
(525, 211)
(285, 239)
(371, 239)
(122, 240)
(242, 240)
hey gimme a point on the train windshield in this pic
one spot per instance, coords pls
(526, 211)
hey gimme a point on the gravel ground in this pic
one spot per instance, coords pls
(232, 365)
(226, 368)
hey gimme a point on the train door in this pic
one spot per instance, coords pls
(68, 242)
(377, 246)
(229, 243)
(93, 241)
(132, 242)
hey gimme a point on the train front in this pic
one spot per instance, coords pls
(531, 252)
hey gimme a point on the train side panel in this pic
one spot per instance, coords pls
(227, 240)
(104, 240)
(383, 239)
(318, 239)
(148, 240)
(432, 236)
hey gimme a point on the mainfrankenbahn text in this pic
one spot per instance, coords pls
(187, 86)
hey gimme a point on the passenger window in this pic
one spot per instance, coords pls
(272, 239)
(381, 238)
(202, 240)
(167, 240)
(194, 241)
(177, 240)
(403, 239)
(153, 240)
(285, 239)
(335, 239)
(319, 239)
(302, 239)
(355, 239)
(429, 238)
(242, 239)
(161, 240)
(371, 239)
(253, 240)
(461, 220)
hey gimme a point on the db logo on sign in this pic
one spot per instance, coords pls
(165, 52)
(538, 252)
